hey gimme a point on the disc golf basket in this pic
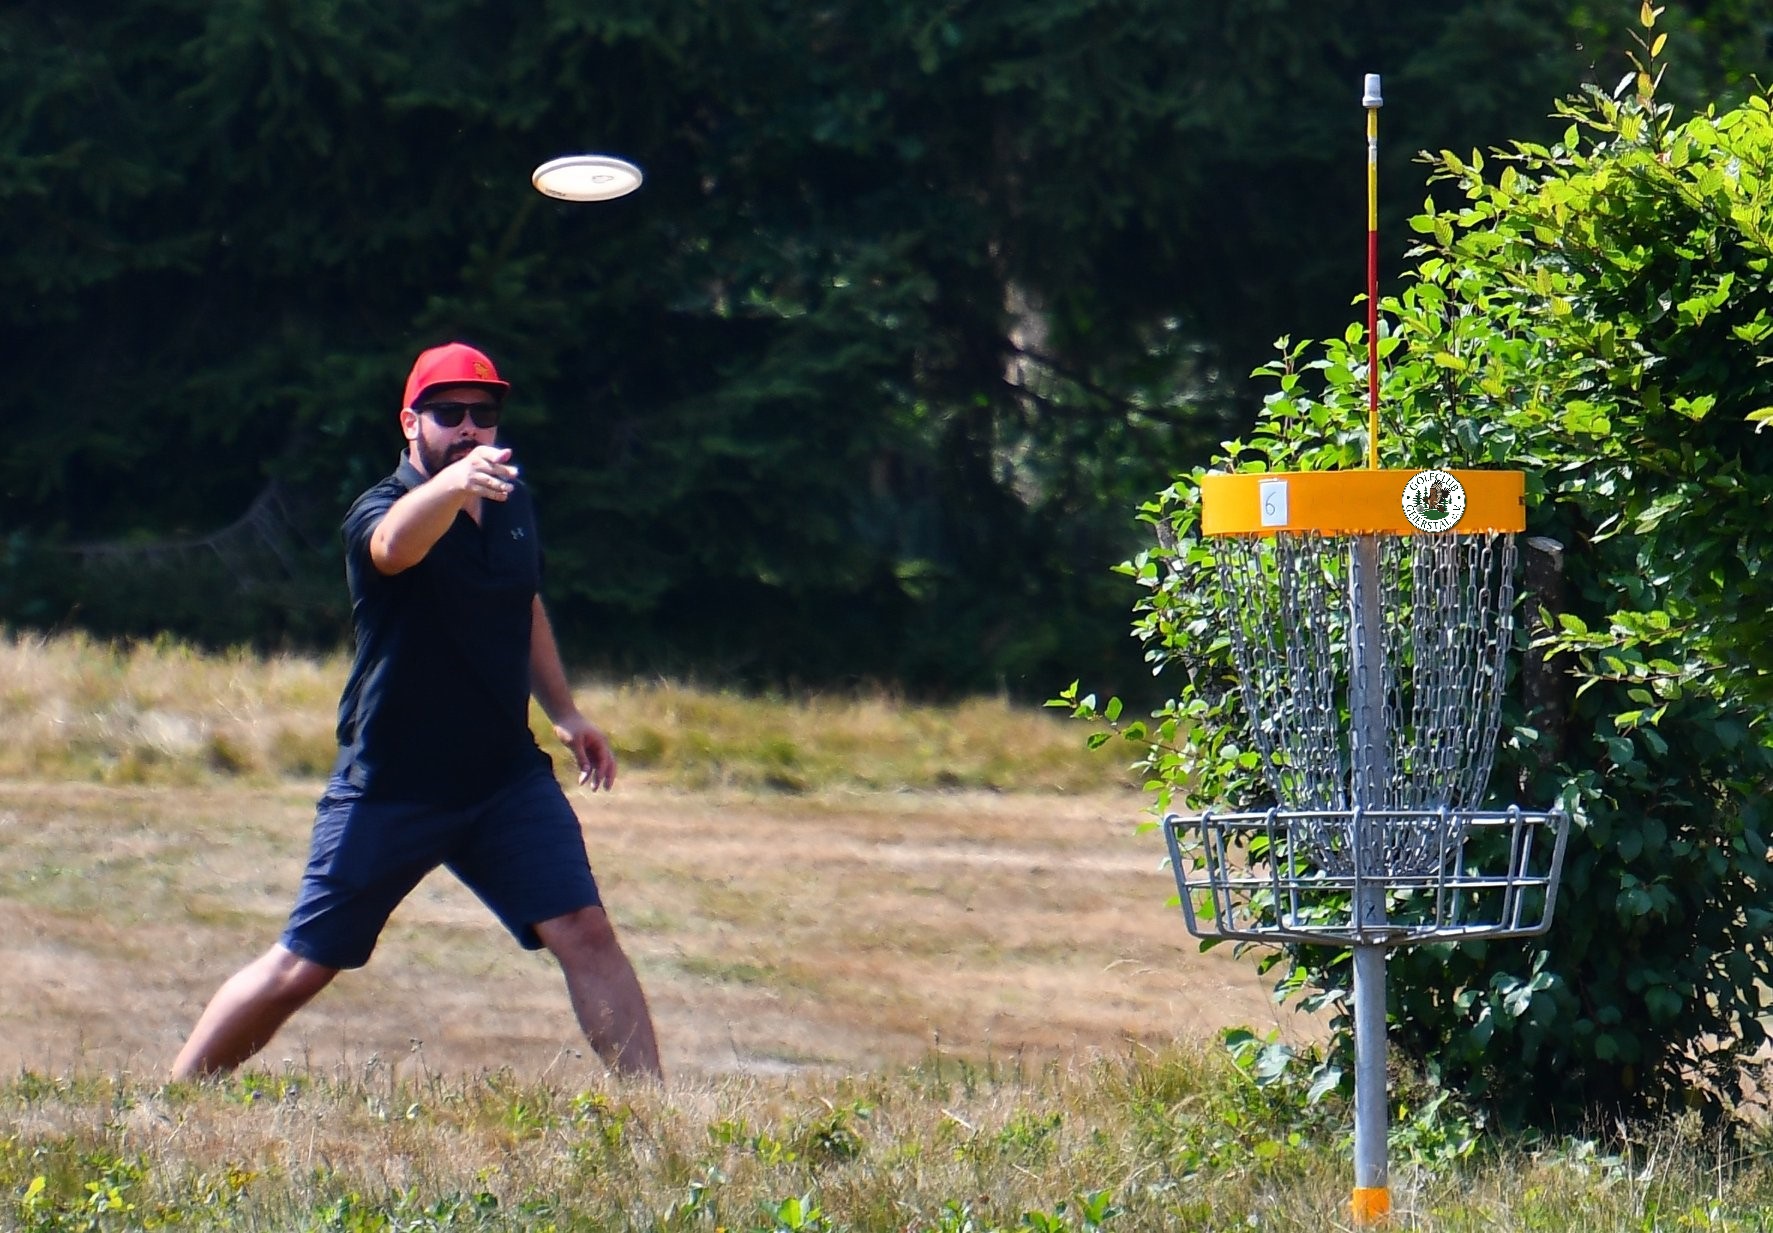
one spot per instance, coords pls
(1370, 614)
(1371, 658)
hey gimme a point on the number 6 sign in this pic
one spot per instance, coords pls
(1273, 497)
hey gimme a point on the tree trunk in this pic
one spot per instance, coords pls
(1545, 683)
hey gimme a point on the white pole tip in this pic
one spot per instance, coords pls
(1370, 94)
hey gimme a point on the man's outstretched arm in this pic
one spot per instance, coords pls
(413, 525)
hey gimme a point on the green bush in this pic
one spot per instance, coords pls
(1596, 313)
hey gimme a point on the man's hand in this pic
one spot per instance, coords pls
(484, 471)
(590, 749)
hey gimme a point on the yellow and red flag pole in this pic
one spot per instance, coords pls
(1372, 101)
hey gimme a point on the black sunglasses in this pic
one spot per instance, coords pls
(450, 414)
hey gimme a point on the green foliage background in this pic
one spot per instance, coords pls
(1594, 311)
(916, 303)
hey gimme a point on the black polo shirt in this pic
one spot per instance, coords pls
(437, 704)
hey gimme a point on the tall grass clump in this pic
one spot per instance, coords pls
(161, 711)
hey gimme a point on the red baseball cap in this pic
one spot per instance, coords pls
(452, 364)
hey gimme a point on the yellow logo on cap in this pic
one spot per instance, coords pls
(483, 370)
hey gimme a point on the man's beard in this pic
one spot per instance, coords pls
(434, 460)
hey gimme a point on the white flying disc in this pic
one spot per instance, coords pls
(586, 177)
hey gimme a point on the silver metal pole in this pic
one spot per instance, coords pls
(1372, 1195)
(1371, 1170)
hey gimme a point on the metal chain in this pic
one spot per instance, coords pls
(1445, 624)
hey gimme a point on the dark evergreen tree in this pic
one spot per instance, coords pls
(913, 305)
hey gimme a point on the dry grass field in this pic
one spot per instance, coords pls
(840, 931)
(914, 968)
(801, 885)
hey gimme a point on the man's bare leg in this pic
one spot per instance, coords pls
(247, 1011)
(606, 995)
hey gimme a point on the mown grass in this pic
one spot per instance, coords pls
(1182, 1138)
(162, 712)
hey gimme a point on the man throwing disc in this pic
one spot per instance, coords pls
(436, 762)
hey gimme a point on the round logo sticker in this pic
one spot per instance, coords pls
(1433, 501)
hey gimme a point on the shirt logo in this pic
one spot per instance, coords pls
(516, 532)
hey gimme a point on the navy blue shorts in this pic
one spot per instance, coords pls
(519, 850)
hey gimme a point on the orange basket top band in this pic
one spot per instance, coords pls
(1369, 502)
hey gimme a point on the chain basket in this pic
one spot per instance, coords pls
(1295, 625)
(1371, 658)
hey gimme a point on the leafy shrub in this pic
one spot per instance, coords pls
(1595, 313)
